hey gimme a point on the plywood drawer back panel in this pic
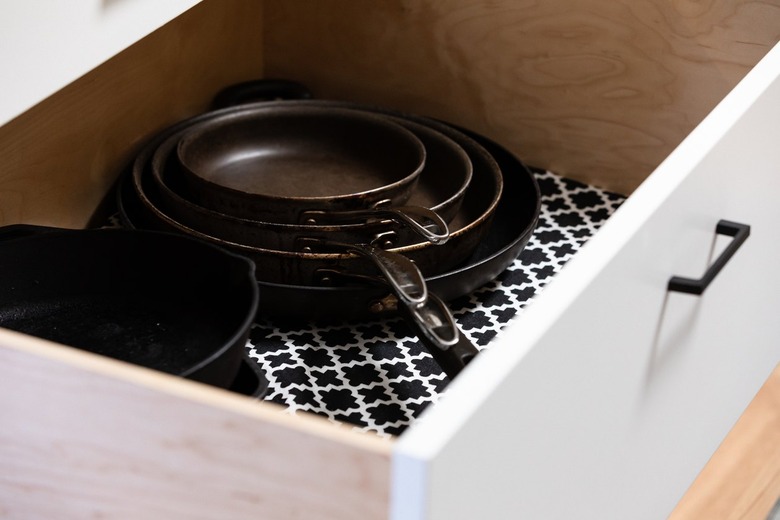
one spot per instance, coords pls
(87, 436)
(601, 91)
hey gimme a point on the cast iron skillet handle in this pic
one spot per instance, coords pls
(259, 90)
(422, 221)
(437, 329)
(740, 232)
(251, 379)
(14, 231)
(402, 274)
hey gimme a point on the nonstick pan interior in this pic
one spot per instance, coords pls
(275, 161)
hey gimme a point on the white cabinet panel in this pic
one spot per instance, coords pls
(46, 44)
(608, 395)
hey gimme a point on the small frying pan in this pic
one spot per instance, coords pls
(442, 185)
(162, 301)
(276, 162)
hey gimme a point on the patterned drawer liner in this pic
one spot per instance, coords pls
(376, 375)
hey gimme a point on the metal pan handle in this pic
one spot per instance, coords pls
(437, 329)
(431, 321)
(403, 276)
(422, 221)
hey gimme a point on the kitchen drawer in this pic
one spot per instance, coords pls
(601, 400)
(610, 393)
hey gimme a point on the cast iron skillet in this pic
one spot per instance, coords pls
(162, 301)
(276, 162)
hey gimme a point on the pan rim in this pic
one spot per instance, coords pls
(219, 119)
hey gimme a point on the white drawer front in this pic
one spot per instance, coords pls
(608, 395)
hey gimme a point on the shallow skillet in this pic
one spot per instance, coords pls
(441, 187)
(276, 162)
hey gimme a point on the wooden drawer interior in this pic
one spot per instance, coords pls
(600, 93)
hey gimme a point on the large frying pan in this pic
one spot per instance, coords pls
(162, 301)
(275, 162)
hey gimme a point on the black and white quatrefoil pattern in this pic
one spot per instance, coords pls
(376, 375)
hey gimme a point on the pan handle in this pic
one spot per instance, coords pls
(259, 90)
(251, 379)
(435, 326)
(402, 274)
(423, 221)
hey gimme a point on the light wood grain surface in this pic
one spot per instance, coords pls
(742, 479)
(60, 157)
(88, 437)
(600, 90)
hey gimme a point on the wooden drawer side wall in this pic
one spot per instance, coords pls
(60, 157)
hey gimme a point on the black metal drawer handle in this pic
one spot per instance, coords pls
(740, 232)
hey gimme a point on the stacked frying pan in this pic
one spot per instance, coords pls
(348, 211)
